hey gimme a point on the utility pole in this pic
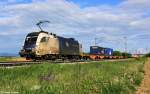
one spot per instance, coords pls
(146, 49)
(95, 41)
(125, 44)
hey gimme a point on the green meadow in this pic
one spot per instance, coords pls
(90, 78)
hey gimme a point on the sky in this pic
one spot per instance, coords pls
(107, 20)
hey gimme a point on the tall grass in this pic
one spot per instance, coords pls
(91, 78)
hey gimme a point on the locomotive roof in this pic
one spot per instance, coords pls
(69, 39)
(36, 33)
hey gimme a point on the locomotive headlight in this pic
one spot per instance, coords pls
(22, 50)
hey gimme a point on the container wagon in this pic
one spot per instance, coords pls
(96, 52)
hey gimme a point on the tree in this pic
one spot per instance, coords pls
(128, 55)
(117, 53)
(147, 55)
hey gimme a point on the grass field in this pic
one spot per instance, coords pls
(9, 59)
(91, 78)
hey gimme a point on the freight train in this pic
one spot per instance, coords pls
(43, 45)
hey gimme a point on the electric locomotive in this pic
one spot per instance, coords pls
(44, 45)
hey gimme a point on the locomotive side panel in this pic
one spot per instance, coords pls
(68, 46)
(80, 49)
(53, 46)
(48, 44)
(41, 48)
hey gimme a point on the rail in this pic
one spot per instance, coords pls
(17, 63)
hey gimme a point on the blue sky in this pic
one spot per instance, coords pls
(84, 3)
(15, 1)
(90, 3)
(108, 20)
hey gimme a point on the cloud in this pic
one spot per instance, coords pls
(108, 23)
(136, 5)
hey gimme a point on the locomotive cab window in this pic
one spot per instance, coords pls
(44, 39)
(30, 40)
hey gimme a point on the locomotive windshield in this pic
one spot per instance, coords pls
(30, 41)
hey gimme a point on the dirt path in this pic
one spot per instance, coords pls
(145, 85)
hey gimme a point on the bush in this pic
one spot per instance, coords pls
(147, 55)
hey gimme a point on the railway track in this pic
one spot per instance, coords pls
(22, 63)
(8, 64)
